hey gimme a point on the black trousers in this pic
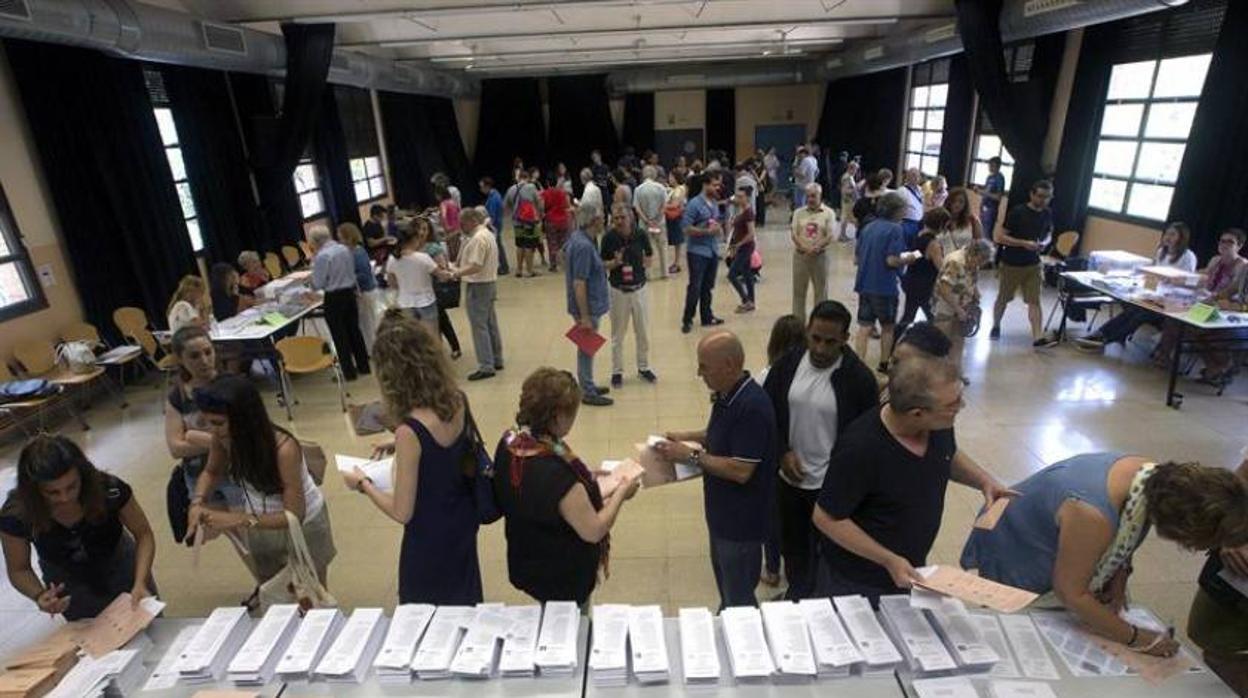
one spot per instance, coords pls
(444, 321)
(918, 297)
(343, 317)
(797, 540)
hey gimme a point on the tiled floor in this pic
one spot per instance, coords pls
(1024, 409)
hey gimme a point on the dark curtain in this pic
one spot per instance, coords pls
(639, 121)
(102, 156)
(440, 113)
(1212, 191)
(955, 139)
(411, 148)
(721, 122)
(216, 161)
(1077, 154)
(510, 125)
(277, 202)
(863, 115)
(330, 153)
(580, 120)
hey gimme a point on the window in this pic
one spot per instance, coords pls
(20, 292)
(929, 88)
(308, 188)
(1149, 108)
(173, 153)
(370, 182)
(987, 143)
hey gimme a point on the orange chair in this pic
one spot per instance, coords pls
(128, 320)
(38, 360)
(121, 357)
(291, 254)
(307, 249)
(273, 265)
(303, 355)
(16, 413)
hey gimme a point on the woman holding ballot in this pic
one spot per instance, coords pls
(92, 536)
(558, 523)
(434, 464)
(1075, 525)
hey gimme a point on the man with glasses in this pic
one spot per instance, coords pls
(884, 491)
(1027, 229)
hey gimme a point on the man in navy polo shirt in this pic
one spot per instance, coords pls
(703, 230)
(737, 455)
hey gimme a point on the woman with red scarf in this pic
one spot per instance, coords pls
(557, 521)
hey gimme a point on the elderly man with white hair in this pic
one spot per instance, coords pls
(591, 194)
(333, 272)
(648, 201)
(811, 232)
(912, 190)
(478, 267)
(588, 297)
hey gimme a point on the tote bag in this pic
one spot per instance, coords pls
(297, 582)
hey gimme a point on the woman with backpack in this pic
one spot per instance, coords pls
(673, 212)
(556, 220)
(526, 217)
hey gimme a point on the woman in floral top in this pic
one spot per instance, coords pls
(957, 293)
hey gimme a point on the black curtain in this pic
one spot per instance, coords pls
(955, 139)
(510, 125)
(639, 121)
(440, 113)
(580, 120)
(91, 118)
(331, 156)
(216, 161)
(411, 148)
(1212, 192)
(863, 115)
(1077, 155)
(721, 122)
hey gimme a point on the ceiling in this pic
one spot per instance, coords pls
(535, 37)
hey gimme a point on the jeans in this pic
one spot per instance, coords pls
(502, 252)
(737, 566)
(796, 506)
(343, 317)
(585, 367)
(486, 341)
(740, 275)
(809, 270)
(1120, 326)
(625, 307)
(698, 292)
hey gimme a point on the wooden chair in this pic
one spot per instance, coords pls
(167, 364)
(38, 360)
(17, 413)
(128, 320)
(273, 265)
(82, 332)
(307, 249)
(121, 357)
(303, 355)
(291, 254)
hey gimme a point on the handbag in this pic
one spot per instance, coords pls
(448, 293)
(477, 461)
(177, 502)
(970, 326)
(296, 582)
(78, 356)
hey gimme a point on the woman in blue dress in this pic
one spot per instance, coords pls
(433, 466)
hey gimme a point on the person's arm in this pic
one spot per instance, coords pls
(977, 228)
(825, 234)
(592, 526)
(183, 442)
(895, 255)
(850, 536)
(400, 504)
(289, 467)
(214, 470)
(1236, 559)
(944, 291)
(580, 290)
(1003, 237)
(468, 264)
(794, 234)
(135, 521)
(320, 273)
(24, 579)
(698, 437)
(749, 234)
(934, 253)
(965, 471)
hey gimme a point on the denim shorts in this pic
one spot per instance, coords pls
(874, 307)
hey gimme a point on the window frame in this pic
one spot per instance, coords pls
(318, 189)
(369, 180)
(924, 75)
(19, 255)
(176, 146)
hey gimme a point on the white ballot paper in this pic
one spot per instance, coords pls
(789, 639)
(865, 629)
(1020, 689)
(256, 661)
(394, 661)
(315, 632)
(608, 657)
(990, 629)
(699, 657)
(348, 658)
(950, 687)
(924, 651)
(206, 657)
(835, 654)
(479, 649)
(962, 637)
(520, 642)
(437, 648)
(556, 643)
(648, 644)
(1028, 648)
(748, 654)
(381, 470)
(165, 675)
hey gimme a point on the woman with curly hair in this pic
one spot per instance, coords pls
(434, 466)
(558, 523)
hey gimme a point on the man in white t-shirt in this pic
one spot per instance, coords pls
(591, 194)
(816, 391)
(478, 267)
(811, 233)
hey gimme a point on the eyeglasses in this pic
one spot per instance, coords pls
(1228, 241)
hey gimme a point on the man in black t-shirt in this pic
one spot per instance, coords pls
(1026, 231)
(626, 253)
(884, 491)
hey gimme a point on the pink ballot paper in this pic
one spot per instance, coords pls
(974, 589)
(117, 623)
(587, 340)
(615, 473)
(988, 520)
(658, 470)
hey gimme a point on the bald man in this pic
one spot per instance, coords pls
(737, 454)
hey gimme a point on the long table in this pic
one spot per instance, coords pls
(1229, 332)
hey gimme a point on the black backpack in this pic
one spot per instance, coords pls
(29, 389)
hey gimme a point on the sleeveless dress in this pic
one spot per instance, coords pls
(438, 562)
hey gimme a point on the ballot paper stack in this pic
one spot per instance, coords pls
(835, 653)
(312, 639)
(208, 655)
(879, 654)
(961, 635)
(437, 648)
(256, 661)
(348, 658)
(748, 655)
(648, 645)
(790, 642)
(699, 657)
(478, 652)
(394, 661)
(520, 642)
(556, 643)
(165, 675)
(925, 653)
(608, 657)
(119, 672)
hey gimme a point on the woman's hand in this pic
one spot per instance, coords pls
(194, 517)
(1115, 593)
(224, 520)
(1156, 644)
(674, 451)
(383, 449)
(138, 593)
(353, 479)
(995, 490)
(1236, 560)
(630, 488)
(903, 573)
(51, 601)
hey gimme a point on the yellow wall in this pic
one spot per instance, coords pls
(675, 109)
(781, 104)
(1108, 234)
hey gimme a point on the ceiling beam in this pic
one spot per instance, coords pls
(448, 10)
(630, 48)
(579, 65)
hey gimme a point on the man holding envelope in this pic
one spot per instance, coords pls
(587, 295)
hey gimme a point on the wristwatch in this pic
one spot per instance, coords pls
(252, 521)
(696, 459)
(359, 486)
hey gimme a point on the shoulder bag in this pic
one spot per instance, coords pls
(477, 461)
(297, 582)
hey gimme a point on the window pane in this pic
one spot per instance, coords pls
(930, 165)
(1122, 120)
(197, 239)
(357, 169)
(916, 118)
(168, 131)
(937, 96)
(1006, 158)
(935, 119)
(1007, 171)
(377, 185)
(1131, 80)
(913, 160)
(176, 165)
(980, 174)
(988, 146)
(372, 166)
(1170, 120)
(919, 96)
(4, 242)
(305, 177)
(931, 143)
(1115, 158)
(188, 201)
(1150, 201)
(915, 143)
(310, 203)
(361, 190)
(1182, 77)
(1160, 161)
(12, 288)
(1107, 194)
